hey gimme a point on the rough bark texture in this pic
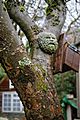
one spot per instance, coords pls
(55, 16)
(22, 19)
(32, 79)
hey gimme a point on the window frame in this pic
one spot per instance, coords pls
(12, 102)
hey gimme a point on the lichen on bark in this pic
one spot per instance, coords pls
(33, 81)
(47, 42)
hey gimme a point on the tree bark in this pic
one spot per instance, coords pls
(33, 79)
(22, 19)
(55, 16)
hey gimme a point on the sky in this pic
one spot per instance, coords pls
(72, 13)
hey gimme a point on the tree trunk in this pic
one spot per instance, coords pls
(55, 16)
(32, 79)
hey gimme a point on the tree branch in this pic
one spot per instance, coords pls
(72, 22)
(10, 45)
(22, 19)
(55, 11)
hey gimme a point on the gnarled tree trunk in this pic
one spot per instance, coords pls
(31, 77)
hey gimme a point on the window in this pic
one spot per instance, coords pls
(11, 102)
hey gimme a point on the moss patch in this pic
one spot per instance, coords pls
(47, 42)
(21, 8)
(40, 74)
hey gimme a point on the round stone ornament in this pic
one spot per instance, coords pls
(47, 42)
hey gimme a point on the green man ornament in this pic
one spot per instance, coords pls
(47, 42)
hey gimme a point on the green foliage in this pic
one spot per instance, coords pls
(2, 72)
(65, 83)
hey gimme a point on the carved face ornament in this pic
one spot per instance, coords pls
(47, 42)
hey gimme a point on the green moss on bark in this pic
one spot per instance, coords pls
(40, 75)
